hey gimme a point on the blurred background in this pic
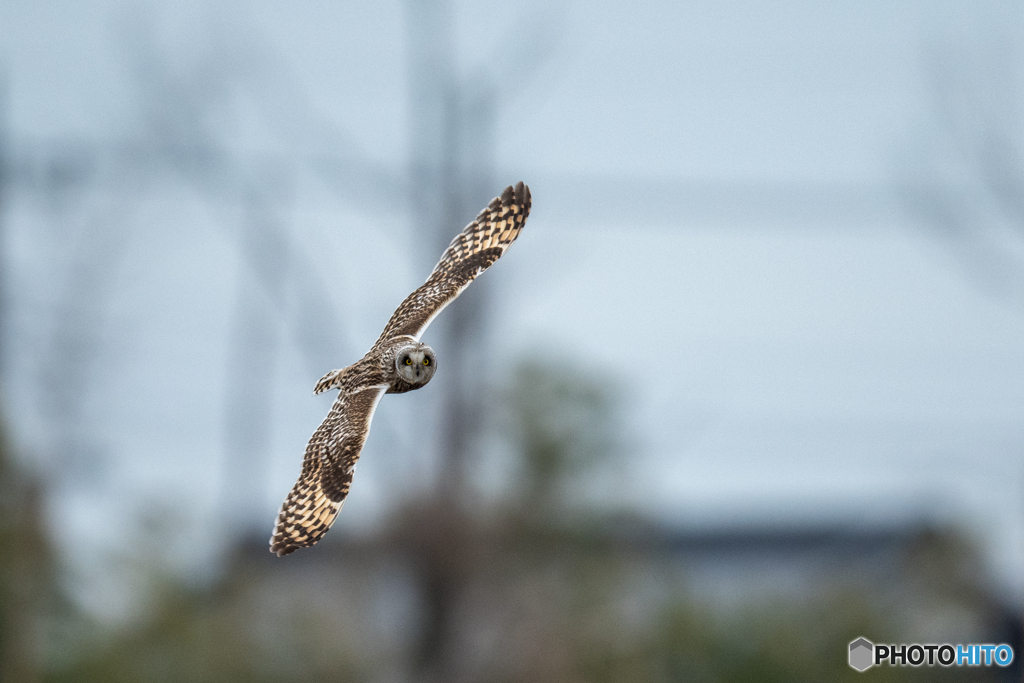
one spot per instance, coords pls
(749, 386)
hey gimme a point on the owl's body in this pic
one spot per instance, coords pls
(398, 362)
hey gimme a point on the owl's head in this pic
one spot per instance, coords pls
(415, 363)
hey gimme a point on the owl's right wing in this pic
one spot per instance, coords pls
(473, 250)
(331, 455)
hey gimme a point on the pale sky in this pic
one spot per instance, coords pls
(850, 365)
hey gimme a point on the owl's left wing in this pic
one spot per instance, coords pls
(331, 455)
(480, 244)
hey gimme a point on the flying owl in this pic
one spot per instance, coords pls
(397, 363)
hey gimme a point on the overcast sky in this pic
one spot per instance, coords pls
(853, 363)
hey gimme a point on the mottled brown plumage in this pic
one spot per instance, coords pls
(472, 251)
(396, 363)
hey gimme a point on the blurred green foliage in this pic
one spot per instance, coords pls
(28, 588)
(219, 635)
(524, 592)
(764, 643)
(561, 427)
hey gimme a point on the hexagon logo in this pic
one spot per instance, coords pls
(862, 654)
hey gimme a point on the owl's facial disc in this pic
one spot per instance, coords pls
(415, 364)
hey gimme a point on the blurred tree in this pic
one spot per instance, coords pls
(512, 589)
(773, 641)
(562, 426)
(467, 558)
(27, 574)
(231, 631)
(965, 177)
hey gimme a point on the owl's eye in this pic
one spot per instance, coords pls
(408, 361)
(426, 361)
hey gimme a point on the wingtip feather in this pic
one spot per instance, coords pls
(518, 193)
(521, 195)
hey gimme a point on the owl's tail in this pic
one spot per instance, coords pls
(332, 380)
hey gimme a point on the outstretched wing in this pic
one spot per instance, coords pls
(472, 251)
(314, 501)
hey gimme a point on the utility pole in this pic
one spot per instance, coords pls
(450, 179)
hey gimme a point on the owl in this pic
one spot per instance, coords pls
(398, 362)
